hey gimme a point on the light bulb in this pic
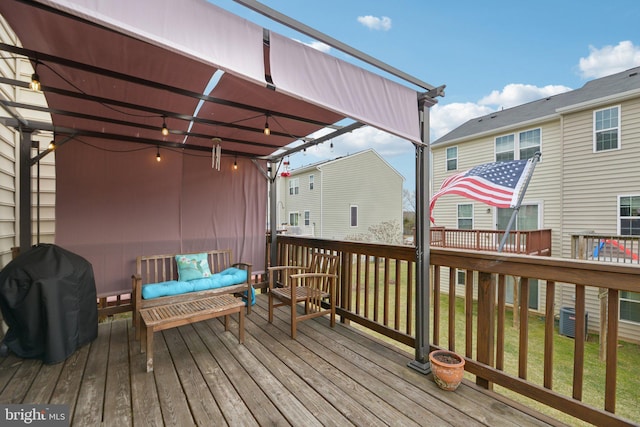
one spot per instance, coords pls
(35, 82)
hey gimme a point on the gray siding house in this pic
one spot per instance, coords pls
(340, 198)
(588, 179)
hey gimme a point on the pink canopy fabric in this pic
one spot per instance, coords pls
(114, 71)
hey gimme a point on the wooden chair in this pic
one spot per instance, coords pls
(311, 285)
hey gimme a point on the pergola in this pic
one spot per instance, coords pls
(116, 73)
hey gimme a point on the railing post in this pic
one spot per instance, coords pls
(486, 323)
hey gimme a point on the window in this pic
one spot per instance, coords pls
(311, 178)
(524, 147)
(294, 186)
(462, 277)
(294, 218)
(465, 216)
(504, 148)
(630, 306)
(354, 215)
(307, 218)
(629, 209)
(452, 158)
(606, 125)
(629, 219)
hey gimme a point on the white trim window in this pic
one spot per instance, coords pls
(307, 218)
(606, 129)
(353, 215)
(629, 215)
(465, 216)
(508, 147)
(452, 158)
(294, 218)
(630, 306)
(311, 182)
(294, 186)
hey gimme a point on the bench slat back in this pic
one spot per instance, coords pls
(162, 268)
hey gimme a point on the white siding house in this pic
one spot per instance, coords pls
(19, 68)
(340, 198)
(590, 144)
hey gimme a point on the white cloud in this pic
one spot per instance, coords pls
(609, 60)
(375, 23)
(445, 118)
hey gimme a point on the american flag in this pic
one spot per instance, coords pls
(496, 184)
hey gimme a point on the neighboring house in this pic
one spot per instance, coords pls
(341, 197)
(588, 179)
(19, 68)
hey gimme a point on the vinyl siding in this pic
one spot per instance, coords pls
(9, 151)
(363, 179)
(592, 183)
(366, 181)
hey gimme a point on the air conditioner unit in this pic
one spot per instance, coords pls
(568, 322)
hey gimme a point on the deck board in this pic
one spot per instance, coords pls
(202, 376)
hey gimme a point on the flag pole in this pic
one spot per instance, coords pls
(535, 159)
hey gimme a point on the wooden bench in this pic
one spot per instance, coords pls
(162, 268)
(168, 316)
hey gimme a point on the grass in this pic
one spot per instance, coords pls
(627, 400)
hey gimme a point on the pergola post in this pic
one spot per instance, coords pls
(273, 202)
(422, 243)
(24, 191)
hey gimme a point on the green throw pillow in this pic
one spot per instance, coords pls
(192, 266)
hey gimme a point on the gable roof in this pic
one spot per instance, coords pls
(319, 165)
(593, 92)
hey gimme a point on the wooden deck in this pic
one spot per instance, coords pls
(202, 376)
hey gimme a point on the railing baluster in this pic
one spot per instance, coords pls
(578, 358)
(549, 322)
(523, 344)
(502, 294)
(357, 283)
(452, 308)
(436, 305)
(612, 351)
(398, 300)
(367, 283)
(410, 303)
(468, 313)
(385, 302)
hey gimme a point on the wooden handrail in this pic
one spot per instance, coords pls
(377, 291)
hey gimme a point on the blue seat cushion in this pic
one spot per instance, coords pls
(230, 276)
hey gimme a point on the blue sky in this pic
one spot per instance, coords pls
(490, 55)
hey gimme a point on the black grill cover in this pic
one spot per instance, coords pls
(48, 300)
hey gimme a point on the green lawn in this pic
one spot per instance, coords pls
(627, 399)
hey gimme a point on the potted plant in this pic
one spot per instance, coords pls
(447, 368)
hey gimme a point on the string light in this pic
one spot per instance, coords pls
(235, 164)
(165, 130)
(158, 158)
(52, 145)
(35, 79)
(267, 131)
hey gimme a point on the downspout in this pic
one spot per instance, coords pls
(422, 243)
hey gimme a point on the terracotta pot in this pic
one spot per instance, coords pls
(447, 368)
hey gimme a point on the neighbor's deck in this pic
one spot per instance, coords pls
(203, 376)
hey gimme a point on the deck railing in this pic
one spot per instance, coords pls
(606, 247)
(377, 290)
(534, 242)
